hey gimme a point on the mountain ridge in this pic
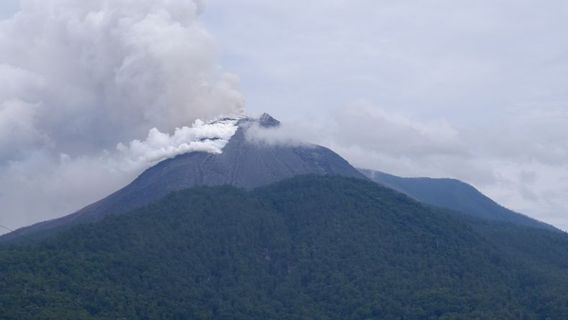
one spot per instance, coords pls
(453, 194)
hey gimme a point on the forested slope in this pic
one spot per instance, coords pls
(310, 247)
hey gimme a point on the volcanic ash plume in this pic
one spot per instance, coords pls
(78, 77)
(85, 74)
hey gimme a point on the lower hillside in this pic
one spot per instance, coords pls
(306, 248)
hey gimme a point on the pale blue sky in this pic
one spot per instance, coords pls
(8, 7)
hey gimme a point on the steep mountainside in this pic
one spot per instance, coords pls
(453, 194)
(242, 164)
(311, 247)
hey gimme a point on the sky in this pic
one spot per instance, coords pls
(473, 90)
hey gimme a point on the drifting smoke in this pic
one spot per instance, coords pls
(78, 77)
(202, 137)
(283, 135)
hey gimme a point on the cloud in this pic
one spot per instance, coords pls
(78, 77)
(396, 133)
(283, 134)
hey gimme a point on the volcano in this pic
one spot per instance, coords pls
(243, 163)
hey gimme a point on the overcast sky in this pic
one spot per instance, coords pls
(474, 90)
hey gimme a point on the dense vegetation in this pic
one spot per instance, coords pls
(306, 248)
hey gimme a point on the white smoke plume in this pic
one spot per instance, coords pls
(78, 77)
(283, 135)
(201, 137)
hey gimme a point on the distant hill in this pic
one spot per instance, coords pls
(453, 194)
(311, 247)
